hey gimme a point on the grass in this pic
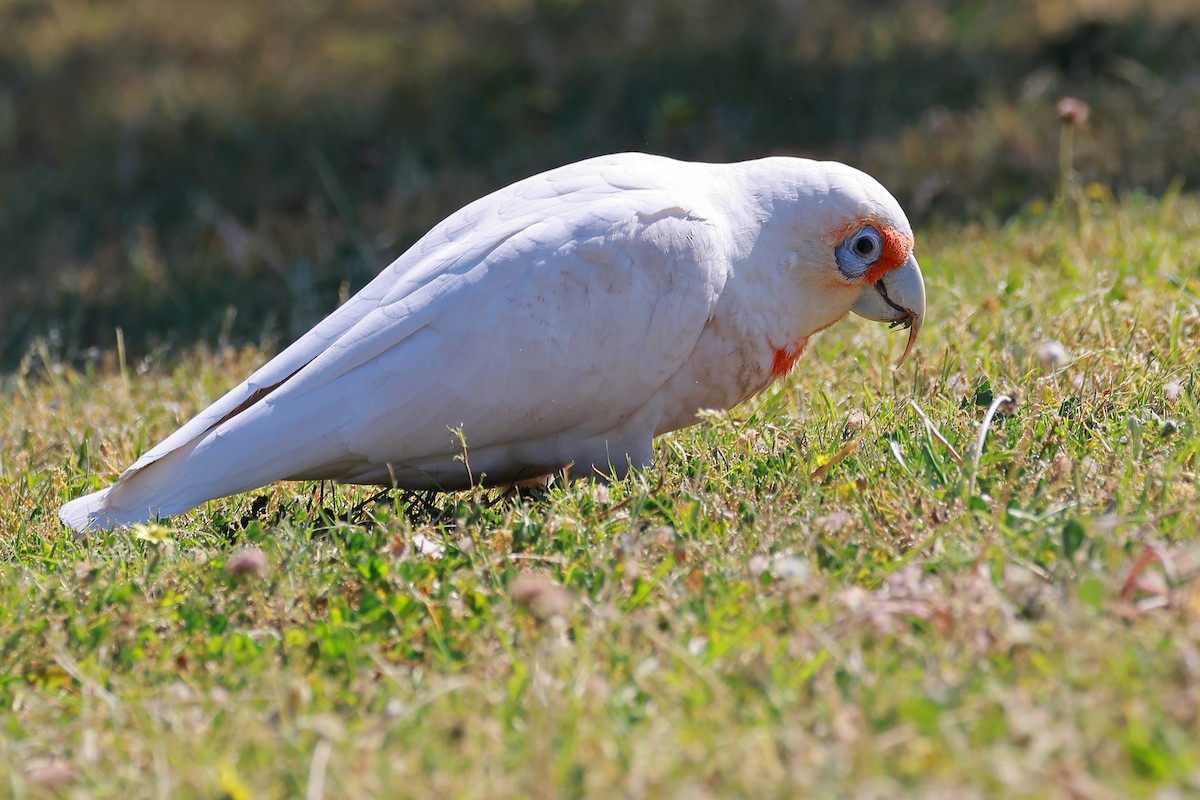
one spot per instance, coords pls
(819, 593)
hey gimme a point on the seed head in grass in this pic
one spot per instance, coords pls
(1072, 113)
(249, 561)
(1051, 355)
(51, 776)
(854, 422)
(565, 320)
(542, 597)
(791, 569)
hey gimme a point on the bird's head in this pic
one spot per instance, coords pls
(858, 247)
(877, 255)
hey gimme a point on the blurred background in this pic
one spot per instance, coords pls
(228, 171)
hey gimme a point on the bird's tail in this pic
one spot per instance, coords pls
(167, 486)
(129, 501)
(87, 512)
(195, 472)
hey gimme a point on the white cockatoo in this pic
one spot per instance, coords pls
(563, 321)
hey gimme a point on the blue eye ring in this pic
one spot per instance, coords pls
(858, 251)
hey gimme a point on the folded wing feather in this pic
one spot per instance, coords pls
(518, 319)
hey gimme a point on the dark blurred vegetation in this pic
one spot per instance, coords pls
(227, 168)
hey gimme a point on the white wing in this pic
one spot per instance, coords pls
(541, 320)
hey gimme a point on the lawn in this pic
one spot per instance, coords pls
(976, 575)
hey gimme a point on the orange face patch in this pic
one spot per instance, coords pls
(897, 246)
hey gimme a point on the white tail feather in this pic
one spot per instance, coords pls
(232, 458)
(86, 512)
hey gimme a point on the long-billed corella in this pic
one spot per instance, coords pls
(563, 321)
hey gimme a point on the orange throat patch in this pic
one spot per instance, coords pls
(785, 358)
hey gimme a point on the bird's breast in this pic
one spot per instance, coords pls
(726, 367)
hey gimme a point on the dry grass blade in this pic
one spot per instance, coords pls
(820, 472)
(317, 769)
(998, 402)
(935, 433)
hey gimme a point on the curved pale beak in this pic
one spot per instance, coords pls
(899, 298)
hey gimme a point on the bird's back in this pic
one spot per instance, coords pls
(538, 323)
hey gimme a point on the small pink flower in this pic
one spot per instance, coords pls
(542, 597)
(1073, 111)
(247, 561)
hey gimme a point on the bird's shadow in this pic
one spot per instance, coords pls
(323, 513)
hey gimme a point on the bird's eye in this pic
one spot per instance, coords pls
(858, 252)
(866, 245)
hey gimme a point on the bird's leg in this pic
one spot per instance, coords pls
(354, 512)
(316, 499)
(419, 504)
(257, 507)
